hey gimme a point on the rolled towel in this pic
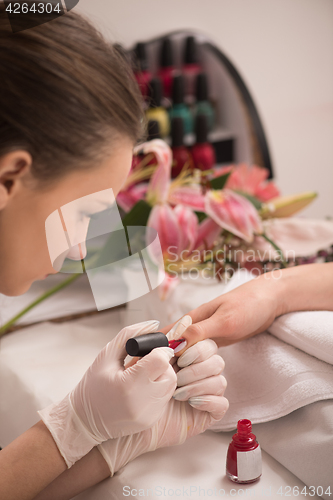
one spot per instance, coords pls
(310, 331)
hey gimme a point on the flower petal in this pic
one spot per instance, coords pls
(128, 198)
(190, 196)
(188, 224)
(208, 232)
(163, 219)
(159, 184)
(168, 285)
(252, 180)
(266, 191)
(285, 206)
(233, 212)
(300, 237)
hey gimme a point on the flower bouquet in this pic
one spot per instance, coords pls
(213, 222)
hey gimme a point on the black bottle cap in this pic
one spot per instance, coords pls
(177, 132)
(201, 129)
(141, 62)
(153, 130)
(191, 52)
(144, 344)
(178, 89)
(201, 90)
(155, 93)
(166, 53)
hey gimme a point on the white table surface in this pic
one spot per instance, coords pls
(41, 363)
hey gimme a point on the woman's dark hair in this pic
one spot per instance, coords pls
(66, 95)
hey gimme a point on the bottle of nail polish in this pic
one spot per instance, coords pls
(244, 455)
(156, 110)
(191, 65)
(167, 70)
(141, 71)
(180, 154)
(203, 106)
(153, 130)
(179, 108)
(203, 153)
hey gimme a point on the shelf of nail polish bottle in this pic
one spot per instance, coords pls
(238, 135)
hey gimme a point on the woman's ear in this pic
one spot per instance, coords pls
(13, 167)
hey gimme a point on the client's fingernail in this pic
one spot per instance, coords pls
(127, 359)
(180, 347)
(179, 328)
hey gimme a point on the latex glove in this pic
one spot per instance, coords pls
(200, 362)
(110, 401)
(203, 352)
(180, 419)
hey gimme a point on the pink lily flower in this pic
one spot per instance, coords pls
(208, 233)
(177, 228)
(159, 185)
(189, 196)
(234, 213)
(163, 219)
(251, 180)
(167, 286)
(179, 232)
(128, 198)
(188, 227)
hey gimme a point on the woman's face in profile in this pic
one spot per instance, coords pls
(24, 254)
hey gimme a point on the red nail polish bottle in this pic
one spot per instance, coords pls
(191, 67)
(180, 154)
(203, 153)
(167, 70)
(141, 71)
(244, 455)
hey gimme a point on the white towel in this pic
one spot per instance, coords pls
(310, 331)
(268, 378)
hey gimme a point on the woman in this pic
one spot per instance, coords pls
(70, 114)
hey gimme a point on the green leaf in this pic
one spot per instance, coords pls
(138, 215)
(219, 182)
(255, 201)
(116, 247)
(201, 216)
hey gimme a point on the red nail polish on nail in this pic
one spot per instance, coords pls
(244, 455)
(175, 343)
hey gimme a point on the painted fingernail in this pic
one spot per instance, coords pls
(179, 328)
(180, 347)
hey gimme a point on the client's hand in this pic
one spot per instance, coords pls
(245, 311)
(110, 401)
(202, 385)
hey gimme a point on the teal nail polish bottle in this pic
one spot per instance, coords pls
(203, 106)
(179, 109)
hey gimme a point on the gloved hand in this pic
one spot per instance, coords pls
(203, 384)
(110, 401)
